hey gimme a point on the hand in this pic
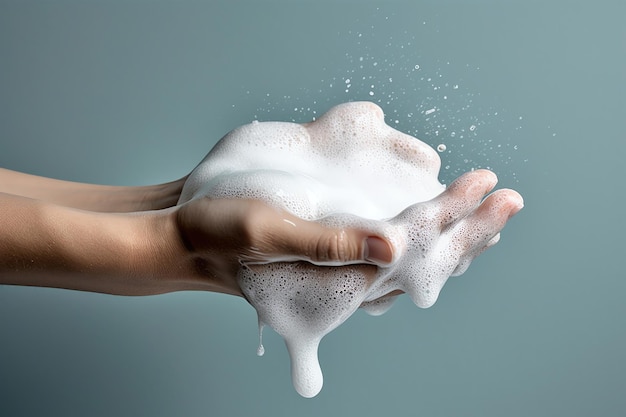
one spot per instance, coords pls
(441, 237)
(221, 234)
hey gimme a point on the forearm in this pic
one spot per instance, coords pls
(103, 198)
(43, 244)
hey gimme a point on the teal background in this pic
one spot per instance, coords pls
(136, 92)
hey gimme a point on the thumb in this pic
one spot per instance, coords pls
(292, 238)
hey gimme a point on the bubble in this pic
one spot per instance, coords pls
(417, 66)
(472, 128)
(441, 147)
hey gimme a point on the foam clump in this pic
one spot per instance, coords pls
(346, 169)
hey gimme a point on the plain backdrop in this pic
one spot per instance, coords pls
(137, 92)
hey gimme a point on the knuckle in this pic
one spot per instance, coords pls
(334, 246)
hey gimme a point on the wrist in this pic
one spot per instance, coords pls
(197, 256)
(160, 196)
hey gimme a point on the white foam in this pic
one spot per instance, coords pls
(347, 169)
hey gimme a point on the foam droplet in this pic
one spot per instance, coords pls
(260, 351)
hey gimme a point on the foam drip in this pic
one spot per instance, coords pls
(347, 169)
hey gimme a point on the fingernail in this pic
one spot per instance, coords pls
(377, 250)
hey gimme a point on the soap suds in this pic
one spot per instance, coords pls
(346, 169)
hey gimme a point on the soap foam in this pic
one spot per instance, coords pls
(346, 169)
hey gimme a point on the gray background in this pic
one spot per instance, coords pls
(136, 92)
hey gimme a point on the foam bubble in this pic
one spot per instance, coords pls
(346, 169)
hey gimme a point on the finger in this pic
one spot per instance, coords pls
(467, 259)
(324, 245)
(463, 195)
(478, 231)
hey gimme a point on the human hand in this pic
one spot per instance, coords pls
(441, 237)
(347, 161)
(222, 234)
